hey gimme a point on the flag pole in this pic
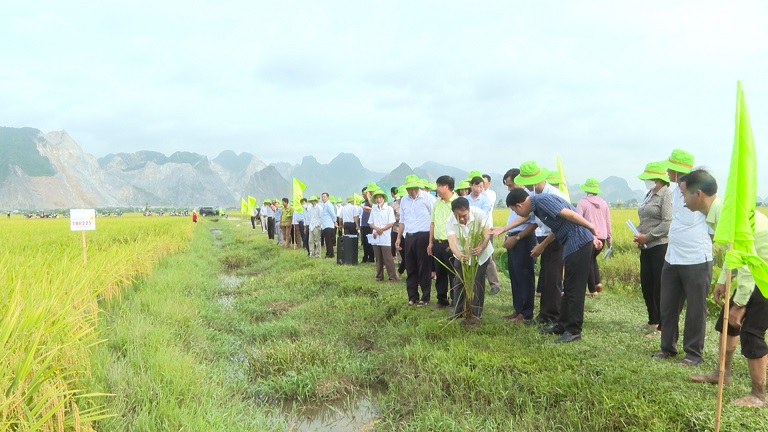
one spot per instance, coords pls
(723, 343)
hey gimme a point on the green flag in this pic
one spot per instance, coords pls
(736, 224)
(251, 204)
(243, 206)
(298, 194)
(563, 186)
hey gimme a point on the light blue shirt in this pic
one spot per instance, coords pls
(482, 202)
(329, 215)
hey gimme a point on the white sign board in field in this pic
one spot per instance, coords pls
(82, 219)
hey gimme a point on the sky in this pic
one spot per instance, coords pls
(608, 86)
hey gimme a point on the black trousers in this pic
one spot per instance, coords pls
(441, 252)
(350, 228)
(304, 236)
(478, 301)
(271, 227)
(521, 276)
(575, 288)
(752, 331)
(329, 237)
(594, 269)
(367, 247)
(253, 222)
(419, 267)
(651, 263)
(550, 280)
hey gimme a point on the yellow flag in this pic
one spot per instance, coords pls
(297, 195)
(251, 204)
(243, 206)
(563, 186)
(736, 224)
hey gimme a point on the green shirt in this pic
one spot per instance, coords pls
(441, 211)
(745, 283)
(286, 215)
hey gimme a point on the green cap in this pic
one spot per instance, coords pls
(412, 181)
(653, 171)
(531, 174)
(680, 161)
(464, 184)
(379, 192)
(313, 198)
(371, 187)
(591, 186)
(554, 178)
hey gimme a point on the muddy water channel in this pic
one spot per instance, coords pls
(357, 412)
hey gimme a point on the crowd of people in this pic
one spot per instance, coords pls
(429, 232)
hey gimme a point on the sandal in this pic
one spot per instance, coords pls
(421, 303)
(410, 303)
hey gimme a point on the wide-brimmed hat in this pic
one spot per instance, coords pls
(379, 192)
(680, 161)
(531, 174)
(654, 171)
(351, 199)
(401, 192)
(313, 198)
(338, 200)
(475, 173)
(412, 181)
(464, 184)
(432, 186)
(553, 178)
(372, 186)
(591, 186)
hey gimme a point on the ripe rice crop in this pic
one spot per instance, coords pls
(49, 308)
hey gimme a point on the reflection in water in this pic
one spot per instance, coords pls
(356, 413)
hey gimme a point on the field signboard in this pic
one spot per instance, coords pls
(82, 219)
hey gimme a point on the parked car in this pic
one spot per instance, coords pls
(208, 211)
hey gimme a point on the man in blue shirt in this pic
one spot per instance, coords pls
(328, 225)
(577, 236)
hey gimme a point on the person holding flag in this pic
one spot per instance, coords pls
(748, 318)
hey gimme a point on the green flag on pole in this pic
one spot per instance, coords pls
(251, 204)
(297, 195)
(736, 224)
(563, 186)
(243, 206)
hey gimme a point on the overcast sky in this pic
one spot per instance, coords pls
(606, 85)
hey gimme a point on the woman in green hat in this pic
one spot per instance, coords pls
(595, 210)
(655, 218)
(381, 221)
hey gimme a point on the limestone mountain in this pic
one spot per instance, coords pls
(614, 189)
(343, 175)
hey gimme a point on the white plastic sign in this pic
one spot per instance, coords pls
(82, 219)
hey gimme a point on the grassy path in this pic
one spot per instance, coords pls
(190, 350)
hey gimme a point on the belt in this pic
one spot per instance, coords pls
(441, 241)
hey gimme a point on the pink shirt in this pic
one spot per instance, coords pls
(595, 210)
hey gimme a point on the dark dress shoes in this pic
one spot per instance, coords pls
(568, 337)
(553, 329)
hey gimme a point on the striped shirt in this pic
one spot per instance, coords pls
(572, 236)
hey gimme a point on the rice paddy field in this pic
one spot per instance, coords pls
(175, 326)
(49, 309)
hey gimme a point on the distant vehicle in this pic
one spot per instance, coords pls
(208, 211)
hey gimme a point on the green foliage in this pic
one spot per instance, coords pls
(311, 330)
(18, 147)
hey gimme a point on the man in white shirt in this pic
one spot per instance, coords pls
(463, 221)
(350, 216)
(314, 219)
(687, 271)
(415, 211)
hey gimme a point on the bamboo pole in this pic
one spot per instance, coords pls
(723, 343)
(85, 250)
